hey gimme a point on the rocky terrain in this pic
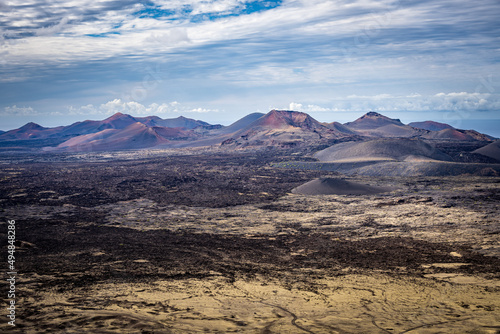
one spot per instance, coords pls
(275, 224)
(221, 243)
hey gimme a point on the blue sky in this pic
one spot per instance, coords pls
(64, 61)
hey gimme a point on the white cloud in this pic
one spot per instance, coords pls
(454, 101)
(136, 109)
(170, 37)
(308, 108)
(54, 29)
(202, 110)
(217, 6)
(296, 49)
(19, 111)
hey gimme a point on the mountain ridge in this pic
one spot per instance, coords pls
(277, 128)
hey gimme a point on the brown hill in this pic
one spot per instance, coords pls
(339, 127)
(386, 148)
(116, 121)
(491, 150)
(430, 125)
(372, 120)
(477, 135)
(278, 128)
(121, 121)
(30, 131)
(179, 122)
(135, 136)
(81, 128)
(282, 119)
(241, 123)
(374, 124)
(428, 168)
(331, 186)
(174, 133)
(283, 128)
(393, 130)
(455, 134)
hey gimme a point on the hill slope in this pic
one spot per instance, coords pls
(241, 123)
(491, 150)
(179, 122)
(283, 128)
(135, 136)
(374, 124)
(387, 148)
(278, 128)
(331, 186)
(430, 125)
(455, 134)
(372, 120)
(30, 131)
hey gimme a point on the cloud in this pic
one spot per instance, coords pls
(465, 101)
(136, 109)
(453, 101)
(217, 6)
(308, 108)
(54, 29)
(19, 111)
(171, 37)
(345, 52)
(203, 110)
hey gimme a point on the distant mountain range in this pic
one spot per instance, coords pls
(278, 128)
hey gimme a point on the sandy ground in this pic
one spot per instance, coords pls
(424, 258)
(351, 303)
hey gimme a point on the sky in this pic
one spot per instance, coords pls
(65, 61)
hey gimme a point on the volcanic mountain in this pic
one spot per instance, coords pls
(430, 125)
(372, 120)
(241, 123)
(382, 149)
(374, 124)
(491, 150)
(456, 134)
(29, 131)
(116, 121)
(284, 119)
(401, 157)
(179, 122)
(278, 128)
(331, 186)
(283, 128)
(339, 127)
(134, 136)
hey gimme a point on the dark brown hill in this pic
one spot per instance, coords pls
(491, 150)
(178, 122)
(283, 128)
(241, 123)
(459, 135)
(374, 124)
(430, 125)
(135, 136)
(372, 120)
(386, 148)
(335, 186)
(30, 131)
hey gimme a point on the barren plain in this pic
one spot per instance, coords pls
(219, 244)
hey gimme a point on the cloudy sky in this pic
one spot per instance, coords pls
(63, 61)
